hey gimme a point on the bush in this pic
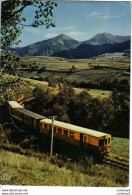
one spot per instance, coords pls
(42, 69)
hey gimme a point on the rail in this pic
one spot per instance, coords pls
(116, 163)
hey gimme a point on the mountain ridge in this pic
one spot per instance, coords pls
(64, 44)
(47, 47)
(104, 38)
(86, 51)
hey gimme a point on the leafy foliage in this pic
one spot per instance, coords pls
(12, 21)
(12, 24)
(110, 115)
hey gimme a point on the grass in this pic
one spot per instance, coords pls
(95, 92)
(25, 170)
(57, 63)
(120, 148)
(27, 166)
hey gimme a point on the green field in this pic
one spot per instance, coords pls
(84, 69)
(56, 63)
(95, 92)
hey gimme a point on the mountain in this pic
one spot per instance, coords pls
(47, 47)
(106, 38)
(64, 46)
(84, 51)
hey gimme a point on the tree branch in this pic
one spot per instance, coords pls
(21, 9)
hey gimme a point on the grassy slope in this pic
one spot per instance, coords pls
(32, 171)
(120, 147)
(41, 169)
(93, 92)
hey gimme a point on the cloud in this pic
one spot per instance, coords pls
(51, 35)
(65, 28)
(75, 35)
(94, 13)
(31, 29)
(69, 28)
(100, 16)
(108, 17)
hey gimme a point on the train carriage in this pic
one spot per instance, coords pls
(25, 116)
(79, 136)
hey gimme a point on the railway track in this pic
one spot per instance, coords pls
(116, 163)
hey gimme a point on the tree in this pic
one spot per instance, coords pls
(122, 111)
(12, 21)
(79, 109)
(12, 24)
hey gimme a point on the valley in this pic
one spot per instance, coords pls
(73, 70)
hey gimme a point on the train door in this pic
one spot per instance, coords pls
(81, 139)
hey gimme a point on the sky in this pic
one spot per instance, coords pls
(81, 20)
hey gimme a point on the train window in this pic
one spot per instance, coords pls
(45, 126)
(108, 140)
(105, 141)
(66, 133)
(50, 127)
(101, 142)
(72, 134)
(59, 131)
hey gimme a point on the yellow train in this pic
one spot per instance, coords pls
(82, 137)
(24, 97)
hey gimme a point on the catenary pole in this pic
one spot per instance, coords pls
(52, 135)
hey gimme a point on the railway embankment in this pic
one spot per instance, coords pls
(53, 171)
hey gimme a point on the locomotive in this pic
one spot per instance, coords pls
(88, 139)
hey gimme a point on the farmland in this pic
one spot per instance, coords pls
(81, 73)
(56, 63)
(72, 69)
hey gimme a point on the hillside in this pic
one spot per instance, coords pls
(47, 171)
(84, 51)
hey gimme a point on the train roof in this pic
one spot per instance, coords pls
(30, 114)
(14, 104)
(75, 128)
